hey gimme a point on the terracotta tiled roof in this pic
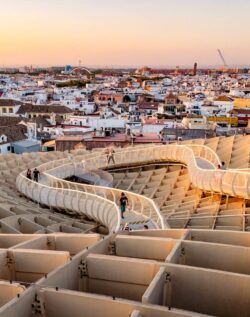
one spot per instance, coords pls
(40, 121)
(240, 111)
(9, 103)
(148, 105)
(14, 132)
(153, 121)
(223, 98)
(28, 108)
(10, 121)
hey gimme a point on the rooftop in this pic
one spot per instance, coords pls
(26, 143)
(14, 132)
(70, 138)
(57, 109)
(9, 102)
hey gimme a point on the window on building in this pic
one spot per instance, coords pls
(4, 110)
(10, 110)
(8, 148)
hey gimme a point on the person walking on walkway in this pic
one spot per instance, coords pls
(29, 174)
(123, 203)
(36, 175)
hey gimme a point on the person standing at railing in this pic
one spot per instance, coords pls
(36, 175)
(29, 174)
(123, 203)
(110, 155)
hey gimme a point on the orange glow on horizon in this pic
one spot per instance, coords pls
(153, 33)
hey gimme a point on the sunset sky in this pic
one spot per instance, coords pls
(124, 32)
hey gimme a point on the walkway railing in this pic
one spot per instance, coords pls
(136, 203)
(73, 201)
(229, 182)
(207, 178)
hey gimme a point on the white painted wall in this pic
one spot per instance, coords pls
(4, 148)
(97, 122)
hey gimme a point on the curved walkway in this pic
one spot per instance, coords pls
(101, 203)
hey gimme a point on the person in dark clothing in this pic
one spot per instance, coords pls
(36, 174)
(29, 174)
(223, 166)
(123, 203)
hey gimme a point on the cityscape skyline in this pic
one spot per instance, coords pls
(117, 34)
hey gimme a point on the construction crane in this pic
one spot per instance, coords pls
(223, 59)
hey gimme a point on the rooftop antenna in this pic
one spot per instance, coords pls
(222, 58)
